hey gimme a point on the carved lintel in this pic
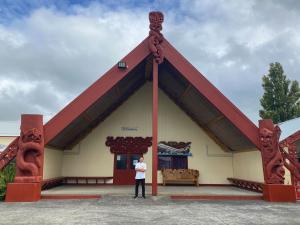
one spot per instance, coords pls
(9, 153)
(136, 145)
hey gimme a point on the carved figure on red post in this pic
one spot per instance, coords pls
(29, 156)
(155, 37)
(29, 161)
(272, 159)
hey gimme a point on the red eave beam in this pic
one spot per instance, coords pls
(292, 138)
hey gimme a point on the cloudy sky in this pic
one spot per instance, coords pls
(50, 51)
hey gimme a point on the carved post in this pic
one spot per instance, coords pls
(288, 150)
(292, 149)
(271, 156)
(29, 161)
(273, 164)
(290, 159)
(155, 40)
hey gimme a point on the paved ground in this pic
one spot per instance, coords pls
(160, 210)
(163, 190)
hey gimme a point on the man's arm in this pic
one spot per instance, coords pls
(143, 169)
(138, 168)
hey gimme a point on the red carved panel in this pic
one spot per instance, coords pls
(29, 159)
(9, 153)
(292, 138)
(288, 150)
(246, 184)
(271, 155)
(290, 159)
(51, 183)
(155, 36)
(136, 145)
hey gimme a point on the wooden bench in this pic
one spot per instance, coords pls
(86, 180)
(180, 176)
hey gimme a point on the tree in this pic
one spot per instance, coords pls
(281, 98)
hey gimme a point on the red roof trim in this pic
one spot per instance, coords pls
(94, 92)
(230, 111)
(292, 138)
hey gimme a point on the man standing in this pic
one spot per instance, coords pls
(140, 169)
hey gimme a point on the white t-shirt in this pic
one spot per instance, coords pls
(139, 174)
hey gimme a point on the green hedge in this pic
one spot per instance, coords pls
(6, 175)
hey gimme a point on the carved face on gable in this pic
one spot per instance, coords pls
(156, 19)
(265, 136)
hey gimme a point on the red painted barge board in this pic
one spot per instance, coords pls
(70, 197)
(216, 197)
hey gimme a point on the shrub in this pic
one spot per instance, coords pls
(6, 175)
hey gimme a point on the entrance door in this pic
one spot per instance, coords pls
(124, 168)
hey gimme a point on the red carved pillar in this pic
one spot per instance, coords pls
(273, 164)
(155, 40)
(154, 128)
(292, 149)
(288, 150)
(29, 161)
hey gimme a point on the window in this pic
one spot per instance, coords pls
(172, 162)
(121, 162)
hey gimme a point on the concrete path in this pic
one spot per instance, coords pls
(159, 210)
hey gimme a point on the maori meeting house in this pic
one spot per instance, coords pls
(152, 103)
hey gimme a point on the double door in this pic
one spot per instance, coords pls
(124, 168)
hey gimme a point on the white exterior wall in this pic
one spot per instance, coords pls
(248, 165)
(213, 163)
(92, 158)
(53, 159)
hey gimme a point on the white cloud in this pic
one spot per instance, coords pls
(12, 38)
(48, 57)
(12, 88)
